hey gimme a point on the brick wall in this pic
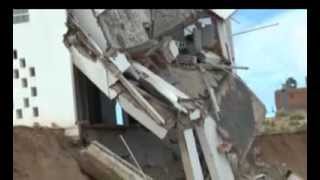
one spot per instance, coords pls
(291, 99)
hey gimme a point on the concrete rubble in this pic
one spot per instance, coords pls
(173, 72)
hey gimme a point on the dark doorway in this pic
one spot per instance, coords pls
(93, 106)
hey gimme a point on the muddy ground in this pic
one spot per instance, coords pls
(289, 148)
(44, 154)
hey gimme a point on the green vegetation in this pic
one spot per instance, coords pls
(284, 123)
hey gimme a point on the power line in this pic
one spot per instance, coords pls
(255, 29)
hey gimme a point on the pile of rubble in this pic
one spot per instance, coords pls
(173, 72)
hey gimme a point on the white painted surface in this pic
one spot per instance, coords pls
(196, 114)
(193, 155)
(72, 132)
(223, 13)
(40, 42)
(121, 62)
(224, 171)
(173, 48)
(89, 25)
(212, 58)
(294, 177)
(95, 72)
(99, 11)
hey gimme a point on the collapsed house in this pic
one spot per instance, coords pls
(187, 115)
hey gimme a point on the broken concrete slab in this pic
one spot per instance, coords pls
(151, 82)
(124, 28)
(166, 20)
(240, 121)
(223, 166)
(120, 61)
(169, 50)
(190, 157)
(127, 103)
(88, 24)
(101, 163)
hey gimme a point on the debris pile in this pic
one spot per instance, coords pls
(172, 71)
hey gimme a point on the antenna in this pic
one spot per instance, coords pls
(255, 29)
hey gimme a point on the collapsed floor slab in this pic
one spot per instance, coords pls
(152, 87)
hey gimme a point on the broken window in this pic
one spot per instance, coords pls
(19, 113)
(16, 74)
(24, 82)
(23, 62)
(35, 111)
(32, 71)
(119, 115)
(20, 16)
(33, 91)
(20, 11)
(26, 102)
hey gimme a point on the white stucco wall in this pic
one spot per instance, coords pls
(40, 42)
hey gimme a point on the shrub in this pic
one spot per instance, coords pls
(296, 117)
(281, 114)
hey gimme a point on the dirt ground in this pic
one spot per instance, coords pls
(43, 154)
(290, 149)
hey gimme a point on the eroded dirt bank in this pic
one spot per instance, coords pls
(44, 154)
(289, 148)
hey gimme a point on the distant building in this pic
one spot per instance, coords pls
(290, 98)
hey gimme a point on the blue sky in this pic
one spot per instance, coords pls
(272, 54)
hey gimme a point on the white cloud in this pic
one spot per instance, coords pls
(274, 53)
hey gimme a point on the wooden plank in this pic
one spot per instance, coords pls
(190, 156)
(132, 156)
